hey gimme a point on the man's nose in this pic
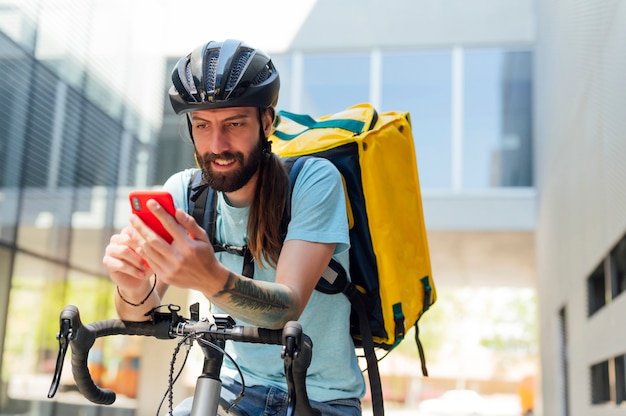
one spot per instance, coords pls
(218, 142)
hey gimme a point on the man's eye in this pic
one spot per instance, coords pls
(236, 124)
(201, 126)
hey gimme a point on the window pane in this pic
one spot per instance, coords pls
(620, 379)
(102, 96)
(45, 220)
(596, 290)
(497, 124)
(13, 114)
(600, 387)
(618, 268)
(420, 82)
(334, 82)
(92, 225)
(38, 147)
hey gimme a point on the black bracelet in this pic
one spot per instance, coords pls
(143, 301)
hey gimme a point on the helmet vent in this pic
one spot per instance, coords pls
(211, 70)
(190, 86)
(237, 69)
(262, 75)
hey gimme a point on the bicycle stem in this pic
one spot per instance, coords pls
(208, 386)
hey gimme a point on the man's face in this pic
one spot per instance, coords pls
(228, 145)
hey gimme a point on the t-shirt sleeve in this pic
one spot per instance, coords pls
(318, 206)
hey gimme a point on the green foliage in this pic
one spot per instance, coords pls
(33, 316)
(503, 320)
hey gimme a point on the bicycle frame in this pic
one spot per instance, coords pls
(211, 335)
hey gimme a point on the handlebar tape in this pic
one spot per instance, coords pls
(83, 338)
(256, 335)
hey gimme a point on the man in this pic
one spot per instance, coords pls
(227, 91)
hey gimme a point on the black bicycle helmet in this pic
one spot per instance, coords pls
(224, 74)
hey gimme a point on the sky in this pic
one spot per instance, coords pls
(270, 25)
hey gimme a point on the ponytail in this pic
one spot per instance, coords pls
(265, 228)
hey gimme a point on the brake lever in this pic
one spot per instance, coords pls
(296, 353)
(64, 335)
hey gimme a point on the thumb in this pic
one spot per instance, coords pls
(191, 226)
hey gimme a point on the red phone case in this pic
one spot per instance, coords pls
(138, 201)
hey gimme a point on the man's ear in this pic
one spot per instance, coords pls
(269, 114)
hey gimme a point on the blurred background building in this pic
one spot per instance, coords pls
(516, 110)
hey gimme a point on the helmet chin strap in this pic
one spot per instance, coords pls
(267, 144)
(193, 142)
(188, 118)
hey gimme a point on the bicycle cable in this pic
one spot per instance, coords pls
(169, 393)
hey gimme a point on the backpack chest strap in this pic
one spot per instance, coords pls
(202, 206)
(243, 251)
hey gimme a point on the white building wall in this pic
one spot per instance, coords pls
(353, 24)
(580, 149)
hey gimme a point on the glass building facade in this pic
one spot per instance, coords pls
(470, 108)
(70, 145)
(74, 139)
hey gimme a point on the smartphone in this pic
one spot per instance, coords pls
(138, 201)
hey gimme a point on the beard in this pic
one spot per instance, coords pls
(235, 179)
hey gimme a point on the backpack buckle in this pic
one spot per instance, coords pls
(238, 250)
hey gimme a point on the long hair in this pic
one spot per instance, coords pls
(265, 228)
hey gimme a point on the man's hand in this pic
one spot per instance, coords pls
(188, 261)
(136, 293)
(124, 261)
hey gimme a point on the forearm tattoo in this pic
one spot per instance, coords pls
(245, 294)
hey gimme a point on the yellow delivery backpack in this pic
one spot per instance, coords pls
(391, 283)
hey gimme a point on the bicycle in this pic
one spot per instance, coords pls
(210, 334)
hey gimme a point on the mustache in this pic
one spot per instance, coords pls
(212, 157)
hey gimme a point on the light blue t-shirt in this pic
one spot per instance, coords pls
(318, 214)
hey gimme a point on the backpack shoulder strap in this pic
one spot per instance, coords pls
(201, 203)
(335, 280)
